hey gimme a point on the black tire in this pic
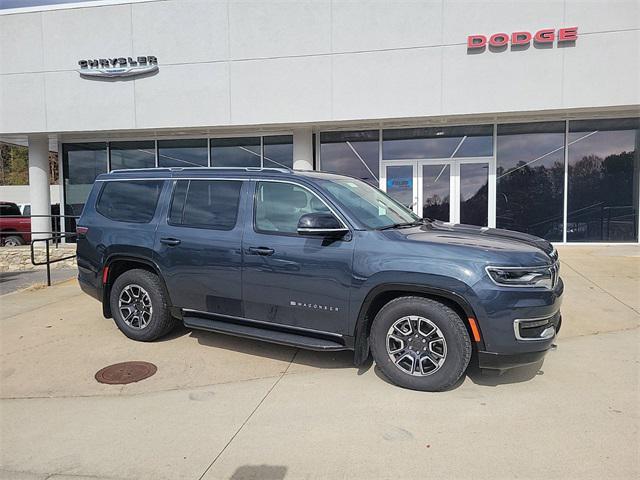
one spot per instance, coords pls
(160, 321)
(13, 240)
(456, 346)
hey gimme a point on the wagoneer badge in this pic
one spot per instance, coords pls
(118, 66)
(314, 306)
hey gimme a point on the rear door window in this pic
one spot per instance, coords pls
(129, 201)
(9, 209)
(205, 204)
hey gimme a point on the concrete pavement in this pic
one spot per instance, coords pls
(223, 407)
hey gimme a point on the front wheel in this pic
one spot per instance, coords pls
(420, 344)
(139, 306)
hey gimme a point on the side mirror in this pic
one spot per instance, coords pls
(321, 224)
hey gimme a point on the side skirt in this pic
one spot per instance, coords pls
(274, 333)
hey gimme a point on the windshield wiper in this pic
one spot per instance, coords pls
(403, 225)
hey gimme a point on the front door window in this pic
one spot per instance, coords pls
(279, 206)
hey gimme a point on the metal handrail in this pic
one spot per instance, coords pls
(48, 260)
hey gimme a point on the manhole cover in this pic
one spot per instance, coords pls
(126, 372)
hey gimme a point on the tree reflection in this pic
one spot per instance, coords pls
(602, 202)
(530, 199)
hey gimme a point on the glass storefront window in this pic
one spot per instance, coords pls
(236, 152)
(351, 153)
(602, 203)
(530, 178)
(438, 142)
(81, 164)
(278, 151)
(132, 154)
(425, 165)
(183, 153)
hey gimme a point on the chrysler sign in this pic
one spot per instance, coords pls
(543, 37)
(118, 66)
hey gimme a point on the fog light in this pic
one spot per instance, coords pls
(534, 328)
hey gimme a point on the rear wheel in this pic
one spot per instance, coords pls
(420, 344)
(139, 306)
(13, 241)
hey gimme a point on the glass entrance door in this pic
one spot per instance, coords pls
(436, 191)
(473, 198)
(455, 191)
(398, 180)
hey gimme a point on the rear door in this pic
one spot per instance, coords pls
(291, 279)
(198, 245)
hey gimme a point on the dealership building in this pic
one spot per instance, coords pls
(520, 115)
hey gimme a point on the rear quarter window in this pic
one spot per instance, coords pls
(129, 201)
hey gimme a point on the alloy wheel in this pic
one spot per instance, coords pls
(135, 306)
(416, 345)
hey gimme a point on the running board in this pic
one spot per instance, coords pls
(264, 334)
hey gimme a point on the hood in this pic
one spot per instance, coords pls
(489, 244)
(497, 233)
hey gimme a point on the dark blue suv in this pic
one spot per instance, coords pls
(318, 261)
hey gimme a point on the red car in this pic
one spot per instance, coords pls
(14, 228)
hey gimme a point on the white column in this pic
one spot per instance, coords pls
(303, 149)
(39, 185)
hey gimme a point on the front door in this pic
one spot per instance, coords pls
(290, 279)
(454, 191)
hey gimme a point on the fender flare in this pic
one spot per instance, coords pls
(116, 257)
(361, 333)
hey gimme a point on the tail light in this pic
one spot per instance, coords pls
(82, 230)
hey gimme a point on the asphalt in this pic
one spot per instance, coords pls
(228, 408)
(13, 281)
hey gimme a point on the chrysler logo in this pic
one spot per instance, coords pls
(118, 66)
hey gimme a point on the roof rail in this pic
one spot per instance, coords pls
(179, 169)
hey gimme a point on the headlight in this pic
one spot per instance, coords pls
(522, 277)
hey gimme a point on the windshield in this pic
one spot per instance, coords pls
(368, 204)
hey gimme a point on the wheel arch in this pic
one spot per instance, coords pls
(116, 265)
(382, 294)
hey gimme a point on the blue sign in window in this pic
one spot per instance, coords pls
(400, 183)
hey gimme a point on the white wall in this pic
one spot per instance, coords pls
(20, 193)
(244, 62)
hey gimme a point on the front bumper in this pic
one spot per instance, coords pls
(518, 326)
(496, 361)
(538, 333)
